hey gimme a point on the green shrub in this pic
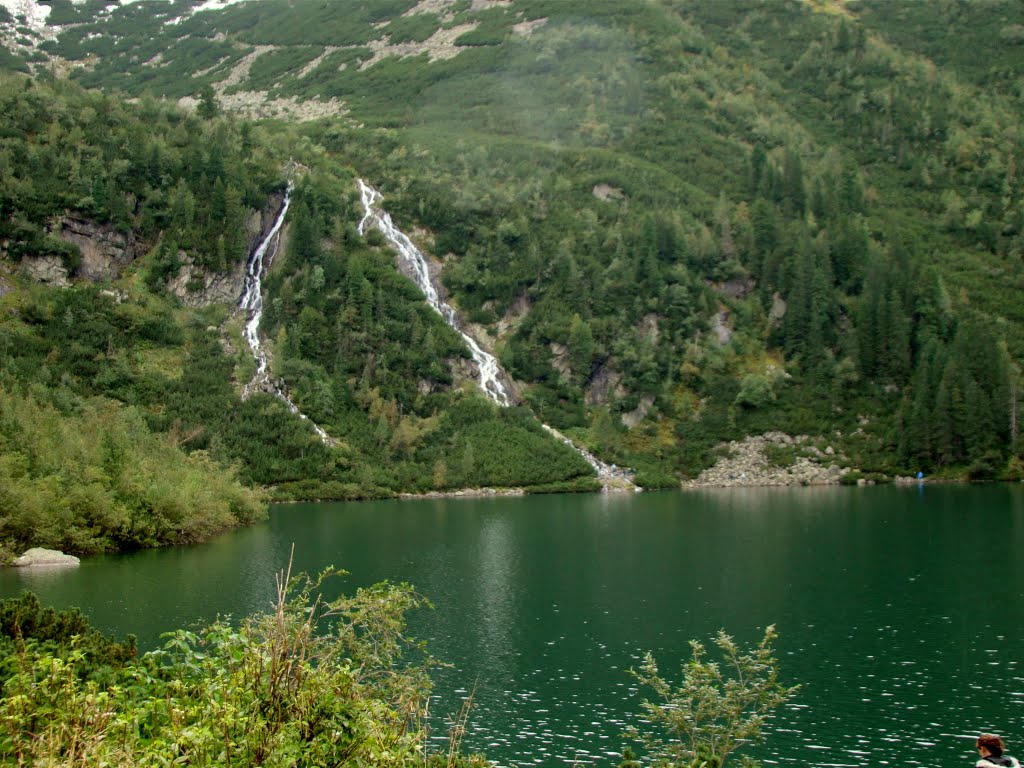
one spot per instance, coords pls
(986, 467)
(315, 682)
(717, 707)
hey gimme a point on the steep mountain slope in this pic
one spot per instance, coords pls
(676, 222)
(124, 230)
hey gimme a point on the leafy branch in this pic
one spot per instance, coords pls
(718, 707)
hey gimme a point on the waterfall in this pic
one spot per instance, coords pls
(487, 365)
(252, 303)
(612, 477)
(490, 371)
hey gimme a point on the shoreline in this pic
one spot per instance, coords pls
(464, 493)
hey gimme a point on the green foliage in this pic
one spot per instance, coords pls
(717, 708)
(756, 391)
(208, 108)
(97, 479)
(146, 169)
(316, 682)
(415, 28)
(781, 455)
(25, 623)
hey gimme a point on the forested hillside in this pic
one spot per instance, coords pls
(675, 223)
(121, 417)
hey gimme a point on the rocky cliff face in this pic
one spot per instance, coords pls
(47, 269)
(196, 287)
(107, 252)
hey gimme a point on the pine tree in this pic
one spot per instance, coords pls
(979, 429)
(234, 225)
(766, 237)
(851, 195)
(897, 338)
(821, 320)
(844, 40)
(303, 245)
(208, 107)
(794, 195)
(849, 250)
(917, 433)
(758, 162)
(797, 322)
(870, 334)
(950, 423)
(581, 349)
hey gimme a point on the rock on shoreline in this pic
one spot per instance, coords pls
(45, 557)
(747, 464)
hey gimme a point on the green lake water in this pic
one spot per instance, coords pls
(901, 610)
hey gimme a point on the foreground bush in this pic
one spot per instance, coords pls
(717, 708)
(314, 682)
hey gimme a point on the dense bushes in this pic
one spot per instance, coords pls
(25, 623)
(96, 479)
(315, 682)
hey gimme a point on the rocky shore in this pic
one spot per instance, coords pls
(773, 458)
(464, 493)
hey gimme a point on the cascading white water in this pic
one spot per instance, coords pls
(487, 365)
(252, 302)
(489, 369)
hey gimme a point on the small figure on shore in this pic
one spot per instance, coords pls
(991, 748)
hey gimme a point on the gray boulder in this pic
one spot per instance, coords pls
(47, 557)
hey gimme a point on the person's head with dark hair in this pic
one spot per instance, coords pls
(990, 745)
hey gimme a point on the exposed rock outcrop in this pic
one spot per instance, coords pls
(737, 288)
(778, 310)
(607, 192)
(47, 269)
(105, 250)
(196, 287)
(605, 384)
(638, 414)
(721, 325)
(514, 316)
(105, 253)
(747, 464)
(51, 558)
(527, 28)
(648, 328)
(560, 361)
